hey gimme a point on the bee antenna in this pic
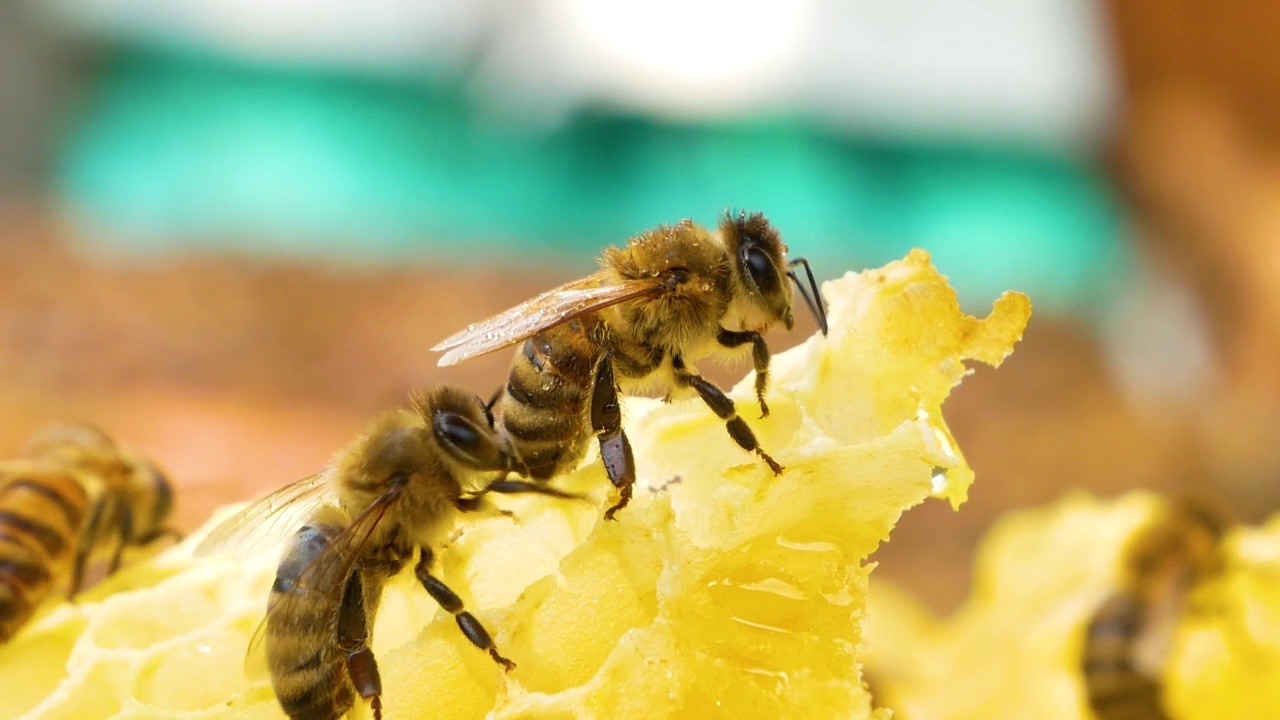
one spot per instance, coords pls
(814, 300)
(487, 407)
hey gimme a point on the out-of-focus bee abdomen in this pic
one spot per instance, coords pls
(40, 520)
(1115, 687)
(544, 408)
(307, 669)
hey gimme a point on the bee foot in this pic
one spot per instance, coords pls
(506, 664)
(773, 464)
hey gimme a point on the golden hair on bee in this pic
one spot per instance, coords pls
(72, 495)
(395, 490)
(672, 295)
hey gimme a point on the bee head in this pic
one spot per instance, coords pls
(462, 426)
(760, 269)
(142, 486)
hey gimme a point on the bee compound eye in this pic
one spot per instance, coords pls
(760, 268)
(457, 431)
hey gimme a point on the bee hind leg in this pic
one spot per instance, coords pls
(606, 422)
(452, 604)
(353, 637)
(722, 405)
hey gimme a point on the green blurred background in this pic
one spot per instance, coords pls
(195, 131)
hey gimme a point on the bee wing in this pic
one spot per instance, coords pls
(325, 576)
(546, 310)
(255, 657)
(270, 519)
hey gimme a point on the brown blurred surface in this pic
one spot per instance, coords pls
(1197, 155)
(241, 375)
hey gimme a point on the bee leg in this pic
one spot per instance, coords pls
(125, 529)
(479, 503)
(165, 532)
(759, 358)
(606, 421)
(85, 545)
(723, 406)
(353, 637)
(450, 601)
(516, 487)
(488, 406)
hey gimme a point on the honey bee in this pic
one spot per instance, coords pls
(73, 494)
(1126, 638)
(397, 488)
(672, 295)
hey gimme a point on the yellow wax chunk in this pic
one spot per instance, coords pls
(722, 591)
(1013, 649)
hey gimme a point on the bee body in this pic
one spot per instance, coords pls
(544, 407)
(72, 496)
(41, 512)
(671, 295)
(1126, 639)
(309, 677)
(398, 488)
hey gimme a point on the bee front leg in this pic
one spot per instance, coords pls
(450, 601)
(520, 487)
(353, 640)
(606, 422)
(723, 406)
(759, 358)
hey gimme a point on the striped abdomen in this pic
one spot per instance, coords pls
(1116, 688)
(308, 670)
(545, 407)
(40, 519)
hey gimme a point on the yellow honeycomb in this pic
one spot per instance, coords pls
(1013, 650)
(723, 591)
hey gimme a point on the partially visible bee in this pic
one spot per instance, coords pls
(672, 295)
(1127, 637)
(397, 488)
(71, 495)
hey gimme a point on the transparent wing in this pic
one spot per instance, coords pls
(269, 520)
(255, 658)
(324, 579)
(546, 310)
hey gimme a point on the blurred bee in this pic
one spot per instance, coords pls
(1127, 636)
(672, 295)
(72, 495)
(397, 488)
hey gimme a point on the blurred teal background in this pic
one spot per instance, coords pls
(203, 130)
(211, 151)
